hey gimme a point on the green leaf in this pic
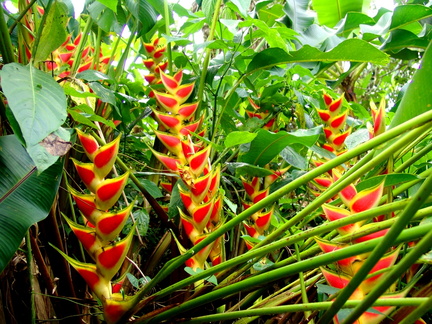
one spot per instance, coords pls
(144, 12)
(36, 100)
(25, 197)
(237, 138)
(412, 103)
(404, 15)
(191, 271)
(152, 188)
(112, 4)
(329, 12)
(392, 179)
(291, 156)
(54, 31)
(208, 7)
(92, 75)
(240, 169)
(242, 6)
(354, 50)
(267, 144)
(297, 13)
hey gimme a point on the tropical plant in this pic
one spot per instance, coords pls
(233, 161)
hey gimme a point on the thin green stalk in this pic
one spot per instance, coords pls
(168, 33)
(277, 274)
(79, 49)
(41, 26)
(208, 51)
(6, 48)
(422, 309)
(386, 243)
(31, 272)
(121, 64)
(400, 302)
(425, 150)
(21, 15)
(374, 142)
(343, 182)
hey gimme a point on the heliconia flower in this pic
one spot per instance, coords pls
(367, 199)
(110, 224)
(333, 213)
(260, 115)
(115, 307)
(270, 179)
(86, 172)
(86, 204)
(378, 117)
(347, 193)
(109, 191)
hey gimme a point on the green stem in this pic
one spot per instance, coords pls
(6, 48)
(206, 62)
(280, 273)
(79, 49)
(31, 272)
(400, 302)
(387, 242)
(168, 33)
(22, 14)
(40, 29)
(425, 150)
(423, 308)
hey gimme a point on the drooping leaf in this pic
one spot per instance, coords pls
(239, 137)
(329, 12)
(404, 15)
(54, 31)
(36, 100)
(144, 12)
(354, 50)
(267, 144)
(297, 13)
(240, 169)
(412, 103)
(112, 4)
(25, 197)
(392, 179)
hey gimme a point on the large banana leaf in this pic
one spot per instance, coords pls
(329, 12)
(25, 196)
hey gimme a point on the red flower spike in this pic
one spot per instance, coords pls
(324, 181)
(339, 280)
(328, 148)
(333, 213)
(109, 225)
(384, 263)
(111, 257)
(262, 221)
(199, 161)
(184, 91)
(178, 76)
(149, 64)
(105, 157)
(170, 83)
(215, 181)
(328, 132)
(339, 121)
(216, 211)
(200, 187)
(201, 215)
(151, 79)
(168, 121)
(367, 199)
(324, 115)
(349, 265)
(89, 144)
(87, 174)
(167, 101)
(347, 193)
(189, 227)
(335, 105)
(251, 231)
(327, 99)
(187, 110)
(378, 116)
(86, 235)
(84, 67)
(371, 236)
(172, 143)
(169, 162)
(260, 195)
(191, 128)
(109, 191)
(203, 254)
(116, 307)
(167, 186)
(97, 283)
(187, 200)
(270, 179)
(86, 204)
(339, 140)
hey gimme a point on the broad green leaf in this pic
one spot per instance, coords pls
(112, 4)
(400, 39)
(354, 50)
(237, 138)
(267, 144)
(25, 197)
(152, 188)
(208, 7)
(353, 20)
(297, 13)
(418, 96)
(36, 100)
(329, 12)
(291, 156)
(243, 6)
(54, 31)
(239, 169)
(392, 179)
(404, 15)
(144, 12)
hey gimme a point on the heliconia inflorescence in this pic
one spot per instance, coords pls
(100, 233)
(347, 268)
(155, 61)
(188, 157)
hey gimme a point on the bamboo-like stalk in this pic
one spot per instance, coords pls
(425, 150)
(423, 308)
(277, 274)
(410, 301)
(168, 33)
(31, 272)
(6, 48)
(386, 243)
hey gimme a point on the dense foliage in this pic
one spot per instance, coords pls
(224, 161)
